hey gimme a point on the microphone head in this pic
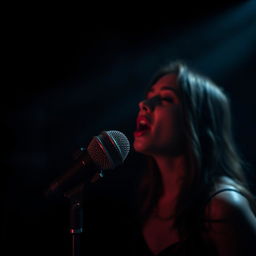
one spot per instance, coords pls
(109, 149)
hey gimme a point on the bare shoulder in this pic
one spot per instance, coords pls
(229, 204)
(231, 223)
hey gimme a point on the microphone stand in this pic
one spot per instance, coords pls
(76, 217)
(77, 212)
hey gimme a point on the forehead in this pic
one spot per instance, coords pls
(169, 80)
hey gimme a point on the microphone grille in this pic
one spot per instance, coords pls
(109, 149)
(121, 141)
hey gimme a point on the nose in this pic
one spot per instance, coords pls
(145, 105)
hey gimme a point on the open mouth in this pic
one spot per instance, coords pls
(142, 126)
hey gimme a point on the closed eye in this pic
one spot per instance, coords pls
(169, 99)
(158, 100)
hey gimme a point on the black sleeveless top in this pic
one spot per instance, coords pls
(191, 246)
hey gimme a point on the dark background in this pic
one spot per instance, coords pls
(69, 75)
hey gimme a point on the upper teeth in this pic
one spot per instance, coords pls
(143, 122)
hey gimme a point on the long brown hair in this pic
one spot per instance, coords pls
(210, 149)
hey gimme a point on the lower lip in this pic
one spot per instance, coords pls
(139, 133)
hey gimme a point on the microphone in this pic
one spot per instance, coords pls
(105, 152)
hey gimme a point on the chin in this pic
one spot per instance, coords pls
(141, 148)
(137, 147)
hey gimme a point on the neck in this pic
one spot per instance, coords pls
(172, 170)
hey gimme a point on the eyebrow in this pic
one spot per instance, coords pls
(165, 88)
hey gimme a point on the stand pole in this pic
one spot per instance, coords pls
(76, 218)
(76, 213)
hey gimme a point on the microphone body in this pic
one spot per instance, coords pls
(105, 151)
(83, 170)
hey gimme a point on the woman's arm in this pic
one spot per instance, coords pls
(233, 229)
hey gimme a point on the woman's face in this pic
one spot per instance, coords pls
(159, 129)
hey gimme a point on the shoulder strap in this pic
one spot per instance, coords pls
(206, 219)
(221, 190)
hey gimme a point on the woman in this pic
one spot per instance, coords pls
(194, 196)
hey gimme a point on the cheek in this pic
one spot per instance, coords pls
(169, 120)
(165, 134)
(169, 126)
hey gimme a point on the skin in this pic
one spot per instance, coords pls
(163, 141)
(162, 108)
(236, 235)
